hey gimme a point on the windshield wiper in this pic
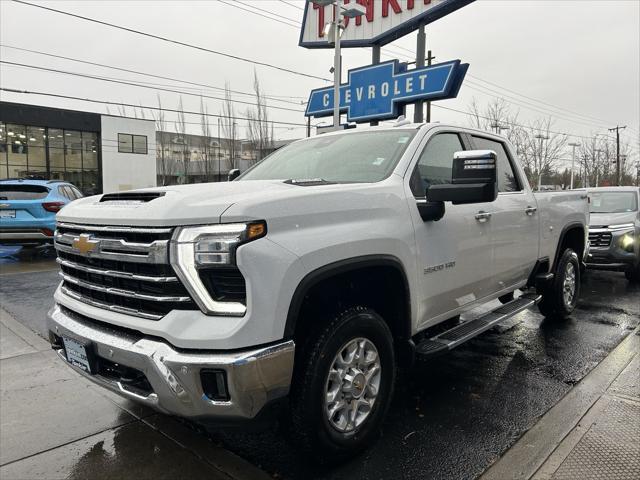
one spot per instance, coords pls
(309, 182)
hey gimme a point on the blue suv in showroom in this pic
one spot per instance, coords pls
(28, 209)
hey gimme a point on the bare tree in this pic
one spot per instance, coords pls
(207, 158)
(184, 152)
(166, 166)
(259, 132)
(229, 127)
(544, 148)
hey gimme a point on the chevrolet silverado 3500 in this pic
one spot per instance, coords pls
(310, 279)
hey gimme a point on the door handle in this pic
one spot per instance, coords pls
(483, 216)
(530, 210)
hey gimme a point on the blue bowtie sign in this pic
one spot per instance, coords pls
(376, 92)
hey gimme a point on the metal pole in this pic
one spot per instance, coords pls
(375, 59)
(308, 127)
(429, 58)
(218, 149)
(573, 160)
(420, 47)
(336, 65)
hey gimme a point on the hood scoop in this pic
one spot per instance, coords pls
(131, 197)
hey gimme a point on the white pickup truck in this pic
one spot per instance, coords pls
(304, 284)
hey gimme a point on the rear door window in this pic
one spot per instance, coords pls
(23, 192)
(507, 180)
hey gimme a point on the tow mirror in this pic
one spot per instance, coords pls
(233, 174)
(474, 179)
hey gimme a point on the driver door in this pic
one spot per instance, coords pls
(455, 252)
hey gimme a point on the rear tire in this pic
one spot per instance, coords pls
(560, 297)
(349, 364)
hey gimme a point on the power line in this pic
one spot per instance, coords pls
(556, 107)
(292, 5)
(175, 42)
(124, 82)
(265, 11)
(277, 98)
(235, 5)
(107, 102)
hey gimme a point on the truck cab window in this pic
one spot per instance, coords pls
(435, 163)
(507, 180)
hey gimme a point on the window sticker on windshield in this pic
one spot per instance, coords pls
(403, 139)
(378, 161)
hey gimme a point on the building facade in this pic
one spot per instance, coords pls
(97, 153)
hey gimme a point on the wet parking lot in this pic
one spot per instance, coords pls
(451, 417)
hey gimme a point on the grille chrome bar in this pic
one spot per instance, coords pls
(121, 292)
(112, 228)
(115, 273)
(117, 249)
(106, 306)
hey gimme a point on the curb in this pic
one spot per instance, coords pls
(529, 453)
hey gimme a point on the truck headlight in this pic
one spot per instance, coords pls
(210, 246)
(626, 241)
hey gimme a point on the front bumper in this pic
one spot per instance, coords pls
(254, 377)
(614, 257)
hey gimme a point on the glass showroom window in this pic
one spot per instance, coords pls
(17, 150)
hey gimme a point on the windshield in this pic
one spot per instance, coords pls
(613, 202)
(352, 157)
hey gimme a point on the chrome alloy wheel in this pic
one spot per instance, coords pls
(352, 385)
(569, 285)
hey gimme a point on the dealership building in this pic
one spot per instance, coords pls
(96, 152)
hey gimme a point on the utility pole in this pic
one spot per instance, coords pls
(617, 129)
(337, 66)
(573, 159)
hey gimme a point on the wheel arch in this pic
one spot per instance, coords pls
(573, 235)
(348, 268)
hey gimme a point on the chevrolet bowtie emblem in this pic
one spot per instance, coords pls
(84, 244)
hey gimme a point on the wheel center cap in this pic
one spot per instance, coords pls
(358, 384)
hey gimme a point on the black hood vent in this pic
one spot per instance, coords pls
(140, 197)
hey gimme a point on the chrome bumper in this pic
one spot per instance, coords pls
(254, 377)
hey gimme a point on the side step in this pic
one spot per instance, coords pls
(459, 334)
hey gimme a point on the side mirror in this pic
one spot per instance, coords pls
(233, 174)
(474, 179)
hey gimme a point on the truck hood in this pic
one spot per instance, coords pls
(599, 220)
(189, 204)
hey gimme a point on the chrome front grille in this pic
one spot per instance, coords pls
(599, 239)
(122, 269)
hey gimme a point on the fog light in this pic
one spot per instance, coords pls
(214, 384)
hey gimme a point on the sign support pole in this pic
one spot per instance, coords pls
(420, 47)
(375, 59)
(429, 58)
(337, 66)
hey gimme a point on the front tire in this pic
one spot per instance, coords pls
(343, 386)
(560, 298)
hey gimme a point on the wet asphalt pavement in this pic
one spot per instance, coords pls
(451, 417)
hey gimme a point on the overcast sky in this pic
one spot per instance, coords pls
(581, 56)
